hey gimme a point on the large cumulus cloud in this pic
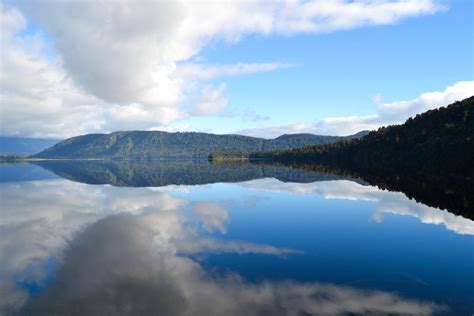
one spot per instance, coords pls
(70, 68)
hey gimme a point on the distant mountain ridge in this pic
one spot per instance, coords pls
(24, 145)
(164, 145)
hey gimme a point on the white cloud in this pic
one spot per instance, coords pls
(38, 98)
(136, 116)
(119, 51)
(126, 64)
(387, 114)
(209, 72)
(34, 90)
(212, 100)
(398, 111)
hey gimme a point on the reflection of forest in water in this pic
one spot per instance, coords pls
(439, 189)
(176, 172)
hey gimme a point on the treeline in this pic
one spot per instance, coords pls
(226, 156)
(12, 158)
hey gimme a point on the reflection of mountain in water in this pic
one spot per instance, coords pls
(183, 172)
(441, 190)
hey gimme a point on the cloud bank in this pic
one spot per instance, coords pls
(109, 65)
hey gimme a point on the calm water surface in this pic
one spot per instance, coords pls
(187, 238)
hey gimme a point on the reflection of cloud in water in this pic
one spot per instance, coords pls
(117, 266)
(387, 202)
(38, 219)
(211, 215)
(254, 200)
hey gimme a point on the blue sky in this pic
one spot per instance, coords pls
(325, 67)
(338, 73)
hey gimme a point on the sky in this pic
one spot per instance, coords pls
(255, 68)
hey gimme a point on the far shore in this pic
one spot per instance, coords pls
(13, 158)
(19, 159)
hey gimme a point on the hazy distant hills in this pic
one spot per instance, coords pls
(24, 146)
(164, 145)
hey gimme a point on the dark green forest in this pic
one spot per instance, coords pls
(151, 145)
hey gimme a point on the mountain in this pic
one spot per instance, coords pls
(24, 146)
(439, 139)
(164, 145)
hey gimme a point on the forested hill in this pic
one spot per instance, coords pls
(164, 145)
(439, 139)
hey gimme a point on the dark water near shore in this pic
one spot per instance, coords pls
(192, 238)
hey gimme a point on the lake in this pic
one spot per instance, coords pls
(193, 238)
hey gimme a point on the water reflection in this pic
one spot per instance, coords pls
(40, 218)
(439, 187)
(143, 276)
(163, 173)
(386, 202)
(71, 248)
(129, 264)
(454, 193)
(158, 173)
